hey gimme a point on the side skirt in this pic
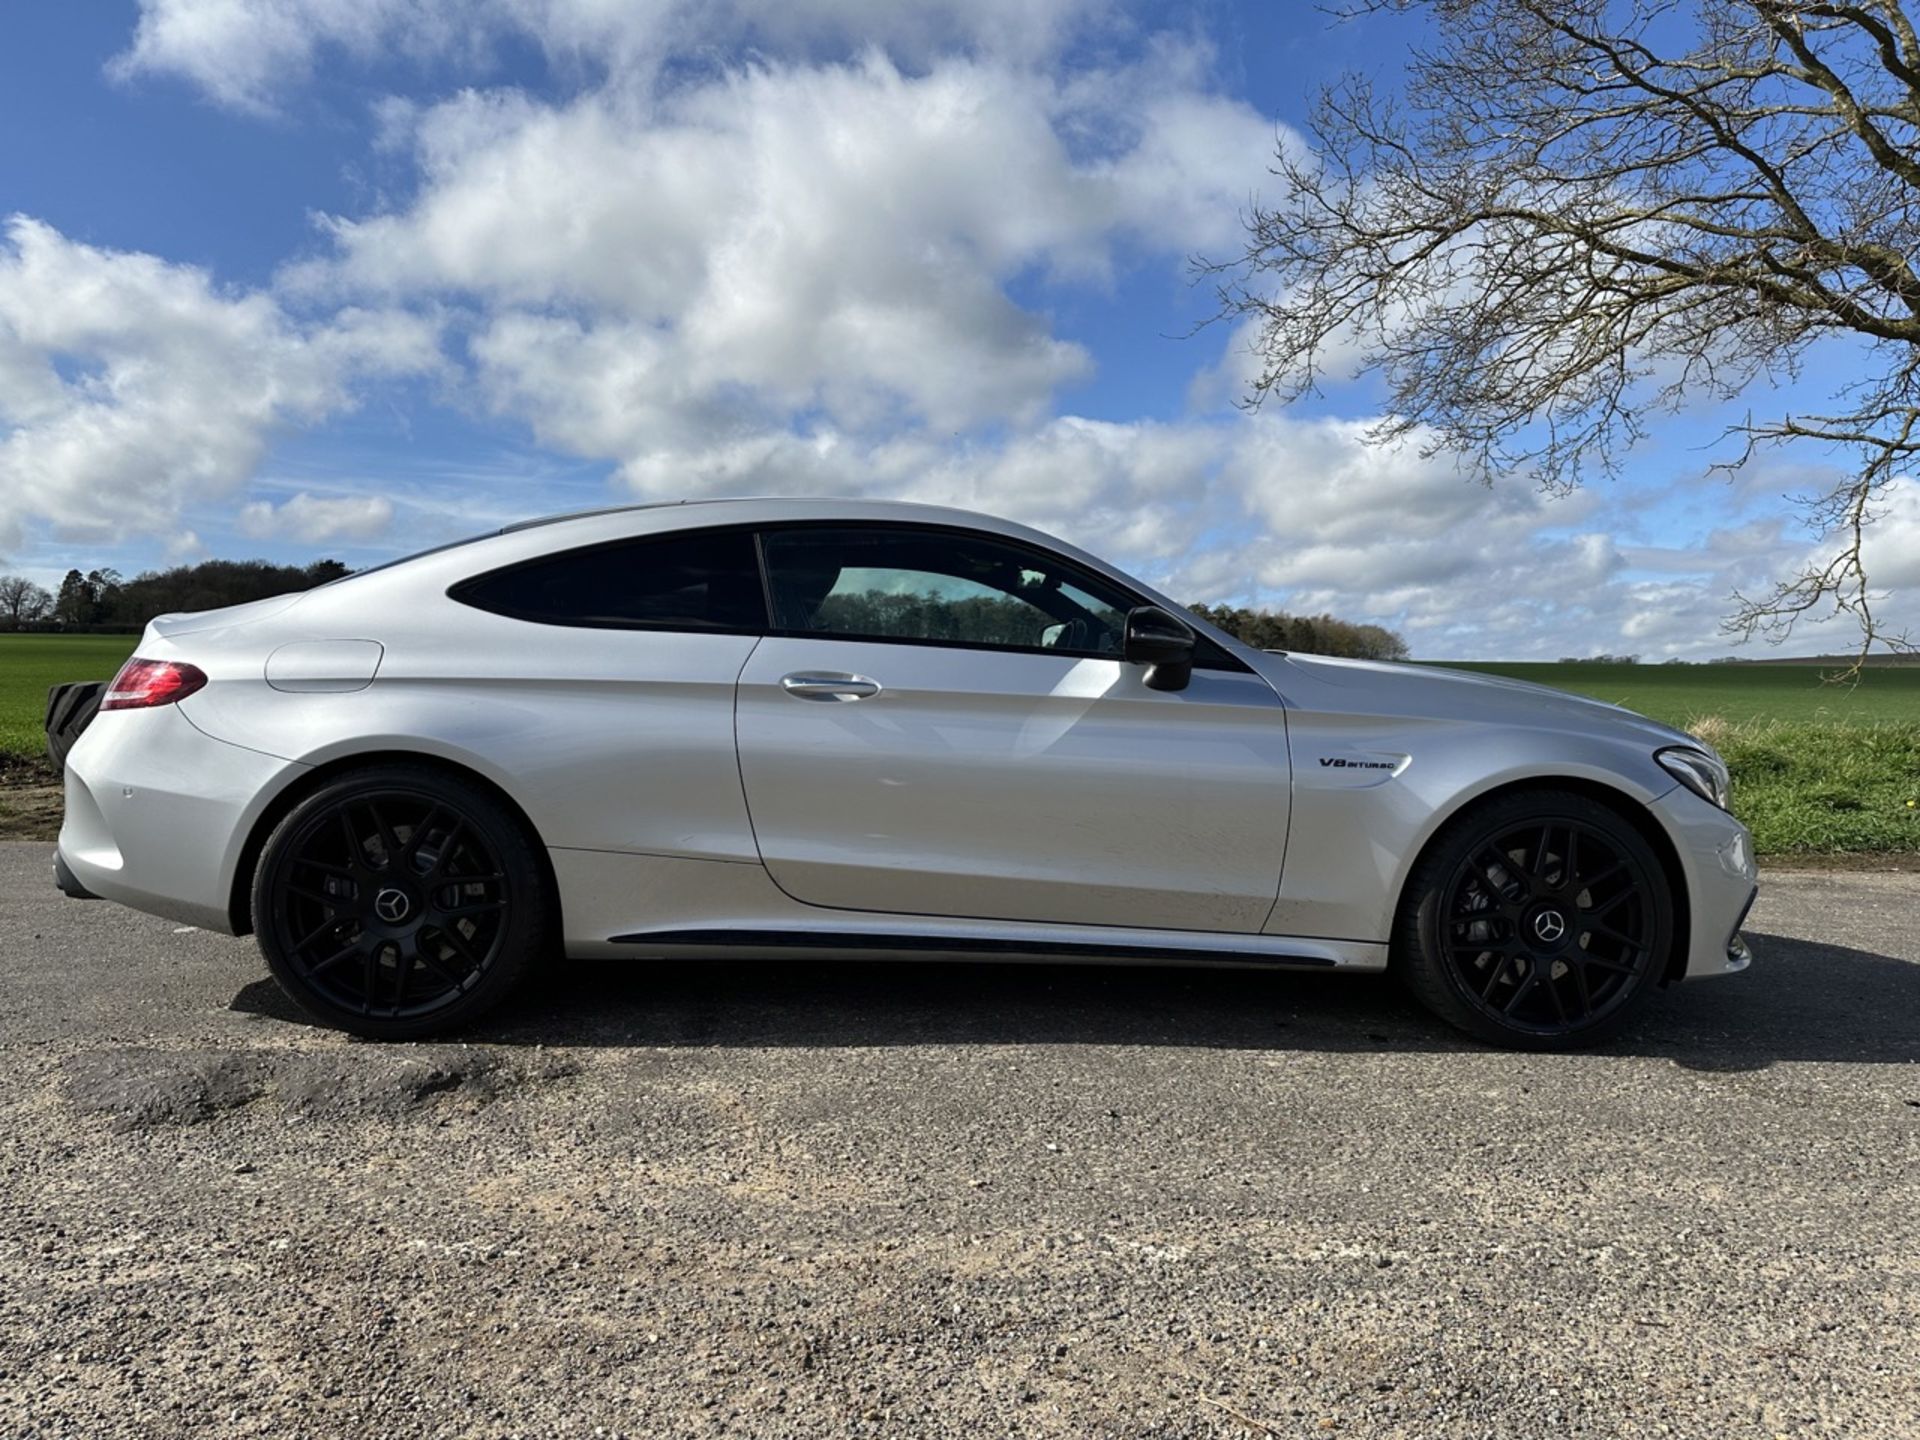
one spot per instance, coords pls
(1250, 950)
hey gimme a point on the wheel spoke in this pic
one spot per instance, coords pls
(420, 833)
(1553, 993)
(434, 963)
(1618, 967)
(1493, 982)
(1516, 869)
(333, 922)
(1522, 991)
(1613, 904)
(1577, 968)
(346, 950)
(325, 867)
(356, 856)
(1496, 892)
(389, 846)
(447, 845)
(1605, 875)
(457, 943)
(1594, 927)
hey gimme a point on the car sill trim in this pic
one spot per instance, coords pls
(766, 939)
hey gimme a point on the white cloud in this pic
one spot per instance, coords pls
(1139, 489)
(130, 387)
(1197, 168)
(316, 520)
(248, 54)
(1892, 552)
(791, 239)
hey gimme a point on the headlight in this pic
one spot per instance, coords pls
(1704, 774)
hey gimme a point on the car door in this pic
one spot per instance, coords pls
(940, 723)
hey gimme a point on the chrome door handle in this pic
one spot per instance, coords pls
(812, 685)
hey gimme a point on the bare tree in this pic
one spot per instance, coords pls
(1577, 212)
(21, 600)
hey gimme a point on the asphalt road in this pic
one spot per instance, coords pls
(799, 1199)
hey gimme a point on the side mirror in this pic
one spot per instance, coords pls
(1163, 643)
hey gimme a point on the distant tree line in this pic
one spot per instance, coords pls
(979, 619)
(1309, 634)
(1007, 620)
(103, 600)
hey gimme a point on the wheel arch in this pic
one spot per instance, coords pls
(239, 899)
(1626, 806)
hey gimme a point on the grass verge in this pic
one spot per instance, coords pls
(1813, 789)
(30, 665)
(1681, 694)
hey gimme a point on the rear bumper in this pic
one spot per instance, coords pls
(66, 882)
(158, 814)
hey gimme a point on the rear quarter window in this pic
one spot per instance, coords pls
(701, 580)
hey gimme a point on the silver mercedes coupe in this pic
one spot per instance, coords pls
(831, 727)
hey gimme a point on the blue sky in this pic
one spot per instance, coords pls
(350, 278)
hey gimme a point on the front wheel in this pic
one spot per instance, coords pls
(1541, 920)
(398, 901)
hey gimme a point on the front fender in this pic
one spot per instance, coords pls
(1357, 832)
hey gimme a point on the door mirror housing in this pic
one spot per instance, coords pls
(1163, 643)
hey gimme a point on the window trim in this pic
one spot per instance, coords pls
(1208, 654)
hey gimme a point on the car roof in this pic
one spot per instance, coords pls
(603, 521)
(528, 539)
(768, 507)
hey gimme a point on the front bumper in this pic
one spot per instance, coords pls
(158, 814)
(1722, 879)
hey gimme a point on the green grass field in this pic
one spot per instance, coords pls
(31, 663)
(1818, 768)
(1740, 694)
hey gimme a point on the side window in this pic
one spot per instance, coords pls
(935, 585)
(698, 580)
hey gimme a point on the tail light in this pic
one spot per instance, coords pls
(142, 684)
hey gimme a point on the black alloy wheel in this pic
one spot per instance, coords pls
(397, 901)
(1541, 921)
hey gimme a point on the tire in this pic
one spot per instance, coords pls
(398, 901)
(1541, 920)
(70, 709)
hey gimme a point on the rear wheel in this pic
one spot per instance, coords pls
(1541, 920)
(398, 901)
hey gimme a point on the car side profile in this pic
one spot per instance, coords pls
(808, 727)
